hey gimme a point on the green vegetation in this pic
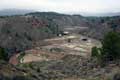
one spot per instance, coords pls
(3, 55)
(70, 66)
(95, 52)
(20, 33)
(56, 50)
(20, 57)
(110, 48)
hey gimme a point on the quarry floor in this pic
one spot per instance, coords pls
(57, 48)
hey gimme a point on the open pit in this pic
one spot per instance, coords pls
(73, 44)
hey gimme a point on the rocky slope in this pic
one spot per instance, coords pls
(70, 67)
(96, 26)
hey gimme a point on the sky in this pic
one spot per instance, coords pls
(64, 6)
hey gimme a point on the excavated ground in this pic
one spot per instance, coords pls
(59, 47)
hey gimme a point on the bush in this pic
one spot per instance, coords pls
(56, 50)
(110, 48)
(20, 57)
(21, 78)
(95, 52)
(116, 76)
(3, 55)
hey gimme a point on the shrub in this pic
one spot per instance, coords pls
(21, 78)
(111, 46)
(116, 76)
(56, 50)
(3, 54)
(20, 57)
(95, 52)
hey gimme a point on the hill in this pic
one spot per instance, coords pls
(38, 41)
(18, 33)
(109, 14)
(94, 27)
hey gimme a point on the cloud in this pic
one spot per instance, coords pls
(64, 5)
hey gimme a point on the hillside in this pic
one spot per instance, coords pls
(94, 27)
(21, 32)
(18, 33)
(53, 46)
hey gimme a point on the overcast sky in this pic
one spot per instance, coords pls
(64, 6)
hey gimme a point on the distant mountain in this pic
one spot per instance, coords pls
(110, 14)
(9, 12)
(101, 14)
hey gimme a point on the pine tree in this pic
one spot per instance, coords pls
(111, 46)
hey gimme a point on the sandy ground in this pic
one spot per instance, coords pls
(76, 44)
(40, 55)
(75, 47)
